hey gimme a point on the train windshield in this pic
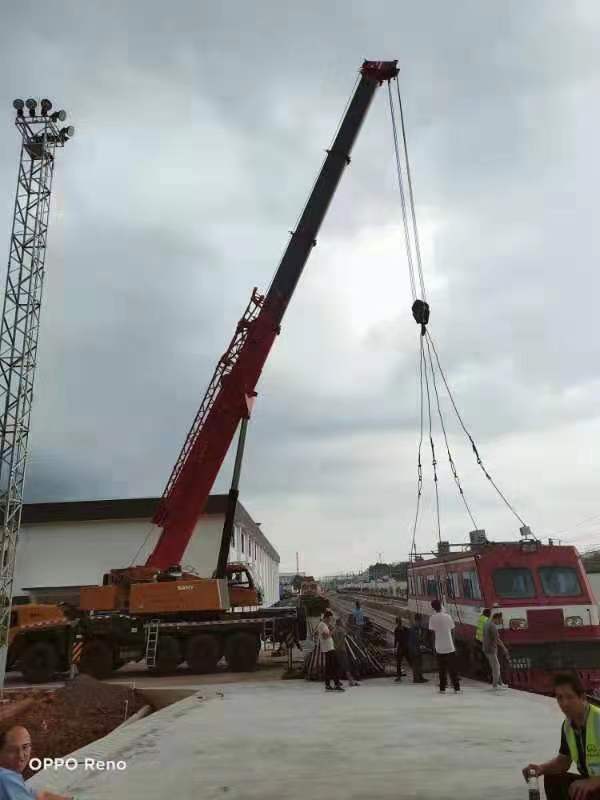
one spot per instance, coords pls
(514, 582)
(560, 581)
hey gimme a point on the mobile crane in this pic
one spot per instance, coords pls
(155, 610)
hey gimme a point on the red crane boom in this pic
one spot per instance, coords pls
(239, 369)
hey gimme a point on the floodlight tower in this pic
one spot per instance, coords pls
(41, 134)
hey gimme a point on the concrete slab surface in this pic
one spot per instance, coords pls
(290, 739)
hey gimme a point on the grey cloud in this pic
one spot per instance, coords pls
(199, 131)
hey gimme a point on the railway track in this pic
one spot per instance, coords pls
(381, 613)
(386, 619)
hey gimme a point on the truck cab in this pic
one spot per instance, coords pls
(244, 587)
(40, 638)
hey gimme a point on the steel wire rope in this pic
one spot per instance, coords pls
(443, 426)
(430, 346)
(413, 549)
(409, 256)
(419, 462)
(411, 273)
(411, 194)
(423, 359)
(433, 456)
(471, 440)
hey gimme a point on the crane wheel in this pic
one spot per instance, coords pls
(203, 653)
(241, 652)
(39, 662)
(97, 659)
(168, 655)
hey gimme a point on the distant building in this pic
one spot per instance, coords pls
(399, 571)
(286, 579)
(286, 582)
(63, 546)
(379, 570)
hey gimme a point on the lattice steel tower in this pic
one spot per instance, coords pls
(41, 135)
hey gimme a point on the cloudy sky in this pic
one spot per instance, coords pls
(200, 129)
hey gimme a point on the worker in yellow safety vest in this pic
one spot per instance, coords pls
(579, 744)
(484, 617)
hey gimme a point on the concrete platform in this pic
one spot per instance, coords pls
(290, 739)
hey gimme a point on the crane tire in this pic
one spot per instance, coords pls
(168, 655)
(241, 652)
(97, 659)
(203, 653)
(39, 662)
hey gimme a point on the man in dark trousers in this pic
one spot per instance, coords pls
(325, 635)
(579, 744)
(416, 645)
(401, 645)
(442, 625)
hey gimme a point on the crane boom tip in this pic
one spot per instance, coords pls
(380, 70)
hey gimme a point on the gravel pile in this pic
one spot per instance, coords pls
(66, 719)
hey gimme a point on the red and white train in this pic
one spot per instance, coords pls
(549, 613)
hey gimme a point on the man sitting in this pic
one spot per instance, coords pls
(579, 744)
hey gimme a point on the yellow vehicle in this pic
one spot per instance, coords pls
(40, 640)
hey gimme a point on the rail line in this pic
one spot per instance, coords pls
(387, 619)
(383, 619)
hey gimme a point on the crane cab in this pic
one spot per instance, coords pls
(147, 590)
(244, 587)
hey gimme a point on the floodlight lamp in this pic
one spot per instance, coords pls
(70, 130)
(31, 103)
(46, 106)
(62, 115)
(18, 104)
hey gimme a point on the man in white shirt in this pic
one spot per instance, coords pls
(442, 624)
(327, 644)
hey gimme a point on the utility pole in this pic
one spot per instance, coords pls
(41, 134)
(297, 563)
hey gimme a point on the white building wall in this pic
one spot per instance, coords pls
(78, 553)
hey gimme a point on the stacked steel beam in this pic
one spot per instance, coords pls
(363, 660)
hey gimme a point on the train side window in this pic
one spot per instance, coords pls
(432, 586)
(559, 581)
(456, 583)
(514, 582)
(452, 585)
(470, 581)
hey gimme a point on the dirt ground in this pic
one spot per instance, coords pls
(63, 720)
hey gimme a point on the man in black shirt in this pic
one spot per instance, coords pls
(580, 736)
(401, 645)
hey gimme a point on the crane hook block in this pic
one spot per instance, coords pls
(420, 311)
